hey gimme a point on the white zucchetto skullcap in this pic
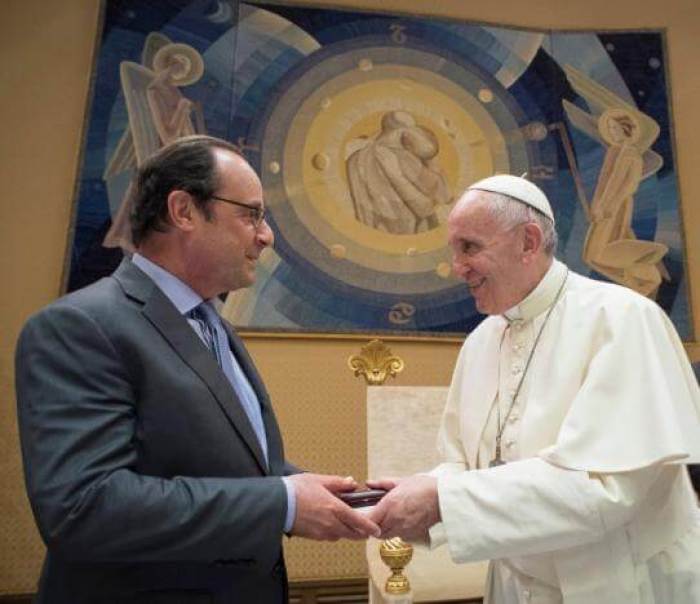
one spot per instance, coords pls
(517, 188)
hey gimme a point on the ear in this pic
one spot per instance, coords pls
(532, 242)
(182, 213)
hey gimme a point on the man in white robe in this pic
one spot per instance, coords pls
(587, 388)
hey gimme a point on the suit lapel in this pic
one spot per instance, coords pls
(158, 309)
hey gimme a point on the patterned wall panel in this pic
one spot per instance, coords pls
(321, 407)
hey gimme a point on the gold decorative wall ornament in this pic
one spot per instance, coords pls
(396, 554)
(375, 362)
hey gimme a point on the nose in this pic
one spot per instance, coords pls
(460, 266)
(265, 236)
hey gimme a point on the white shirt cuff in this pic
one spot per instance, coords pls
(291, 504)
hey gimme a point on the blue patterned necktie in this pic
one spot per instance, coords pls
(217, 341)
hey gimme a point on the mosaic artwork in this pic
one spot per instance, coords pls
(365, 128)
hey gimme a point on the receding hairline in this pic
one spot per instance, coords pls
(243, 168)
(229, 151)
(463, 202)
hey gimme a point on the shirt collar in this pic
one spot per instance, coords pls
(183, 297)
(540, 298)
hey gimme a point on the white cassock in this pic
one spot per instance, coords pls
(594, 504)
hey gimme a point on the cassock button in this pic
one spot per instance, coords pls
(513, 418)
(516, 369)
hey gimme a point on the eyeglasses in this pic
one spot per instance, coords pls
(256, 213)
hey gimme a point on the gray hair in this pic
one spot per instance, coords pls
(511, 212)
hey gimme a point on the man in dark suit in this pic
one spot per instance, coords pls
(153, 460)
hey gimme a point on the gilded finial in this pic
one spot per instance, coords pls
(396, 554)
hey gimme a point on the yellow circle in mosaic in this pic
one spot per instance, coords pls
(359, 108)
(321, 161)
(338, 250)
(485, 95)
(365, 65)
(443, 270)
(303, 188)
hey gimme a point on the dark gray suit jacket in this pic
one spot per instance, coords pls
(144, 474)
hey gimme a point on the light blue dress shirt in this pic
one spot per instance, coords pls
(184, 298)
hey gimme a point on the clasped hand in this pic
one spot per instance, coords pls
(409, 509)
(320, 514)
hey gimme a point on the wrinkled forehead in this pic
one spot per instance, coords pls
(471, 217)
(472, 206)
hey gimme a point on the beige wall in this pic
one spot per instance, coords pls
(45, 60)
